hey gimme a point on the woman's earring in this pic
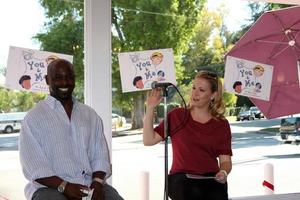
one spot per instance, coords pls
(212, 102)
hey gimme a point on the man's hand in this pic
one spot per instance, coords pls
(75, 191)
(98, 193)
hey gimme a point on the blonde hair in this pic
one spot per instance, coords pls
(157, 54)
(217, 106)
(259, 67)
(51, 58)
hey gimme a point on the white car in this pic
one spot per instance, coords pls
(117, 120)
(10, 122)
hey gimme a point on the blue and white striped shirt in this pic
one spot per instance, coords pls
(51, 144)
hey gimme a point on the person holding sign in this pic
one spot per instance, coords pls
(63, 151)
(201, 141)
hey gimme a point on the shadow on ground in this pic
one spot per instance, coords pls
(254, 139)
(9, 143)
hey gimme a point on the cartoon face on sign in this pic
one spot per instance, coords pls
(160, 75)
(138, 82)
(258, 70)
(258, 87)
(237, 86)
(24, 81)
(156, 58)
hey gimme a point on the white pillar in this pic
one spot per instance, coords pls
(268, 179)
(144, 185)
(97, 46)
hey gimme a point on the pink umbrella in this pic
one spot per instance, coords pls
(274, 40)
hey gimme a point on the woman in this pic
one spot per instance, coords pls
(201, 141)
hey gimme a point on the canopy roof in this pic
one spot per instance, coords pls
(290, 2)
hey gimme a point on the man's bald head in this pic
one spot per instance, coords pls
(58, 62)
(61, 79)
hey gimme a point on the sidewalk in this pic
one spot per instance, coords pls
(12, 181)
(130, 160)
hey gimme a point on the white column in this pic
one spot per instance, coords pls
(144, 185)
(97, 45)
(268, 179)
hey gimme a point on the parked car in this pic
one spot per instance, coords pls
(290, 130)
(256, 112)
(10, 122)
(117, 120)
(245, 115)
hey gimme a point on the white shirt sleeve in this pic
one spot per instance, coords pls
(99, 153)
(33, 160)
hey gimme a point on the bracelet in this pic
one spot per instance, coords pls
(99, 180)
(224, 172)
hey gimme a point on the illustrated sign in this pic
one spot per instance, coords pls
(139, 69)
(26, 68)
(248, 78)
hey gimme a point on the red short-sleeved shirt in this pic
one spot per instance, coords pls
(196, 146)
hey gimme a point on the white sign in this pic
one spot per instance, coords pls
(26, 68)
(248, 78)
(139, 69)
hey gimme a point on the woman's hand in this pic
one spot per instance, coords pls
(154, 98)
(149, 136)
(221, 176)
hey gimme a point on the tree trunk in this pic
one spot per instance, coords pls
(138, 111)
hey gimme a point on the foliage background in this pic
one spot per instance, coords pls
(197, 36)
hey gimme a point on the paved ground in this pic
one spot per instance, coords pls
(245, 180)
(130, 158)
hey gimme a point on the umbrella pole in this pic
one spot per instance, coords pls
(298, 69)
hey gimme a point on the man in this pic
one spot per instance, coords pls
(63, 151)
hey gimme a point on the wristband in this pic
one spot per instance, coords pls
(224, 172)
(99, 180)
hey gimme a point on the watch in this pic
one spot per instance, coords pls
(61, 188)
(99, 180)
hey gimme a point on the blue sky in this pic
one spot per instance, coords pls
(22, 19)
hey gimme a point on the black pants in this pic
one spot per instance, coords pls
(45, 193)
(183, 188)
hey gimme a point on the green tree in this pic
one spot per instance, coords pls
(137, 25)
(6, 97)
(17, 101)
(155, 24)
(64, 34)
(199, 53)
(207, 50)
